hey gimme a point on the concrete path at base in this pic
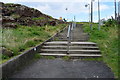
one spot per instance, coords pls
(59, 68)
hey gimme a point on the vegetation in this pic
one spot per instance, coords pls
(107, 40)
(49, 57)
(92, 59)
(38, 56)
(66, 57)
(24, 37)
(39, 18)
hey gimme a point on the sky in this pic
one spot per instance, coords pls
(57, 8)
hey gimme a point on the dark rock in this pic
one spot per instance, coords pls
(52, 23)
(6, 52)
(6, 19)
(23, 15)
(9, 25)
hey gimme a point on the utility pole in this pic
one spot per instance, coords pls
(115, 10)
(91, 11)
(119, 11)
(99, 15)
(91, 14)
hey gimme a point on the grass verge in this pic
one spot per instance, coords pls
(24, 37)
(107, 40)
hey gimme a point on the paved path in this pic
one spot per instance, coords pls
(59, 68)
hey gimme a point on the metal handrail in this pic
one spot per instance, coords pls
(69, 39)
(69, 36)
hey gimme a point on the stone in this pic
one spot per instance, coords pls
(9, 25)
(6, 52)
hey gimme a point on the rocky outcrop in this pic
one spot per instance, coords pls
(6, 52)
(22, 15)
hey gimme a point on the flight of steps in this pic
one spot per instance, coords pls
(77, 49)
(77, 34)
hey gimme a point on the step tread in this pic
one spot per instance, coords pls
(65, 42)
(85, 55)
(70, 50)
(70, 47)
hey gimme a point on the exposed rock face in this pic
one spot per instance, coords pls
(6, 52)
(19, 14)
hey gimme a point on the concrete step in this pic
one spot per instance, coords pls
(72, 43)
(74, 40)
(71, 55)
(70, 51)
(71, 47)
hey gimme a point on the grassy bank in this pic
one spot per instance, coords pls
(107, 40)
(25, 37)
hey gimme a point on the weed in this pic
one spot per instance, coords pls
(39, 18)
(38, 56)
(4, 57)
(49, 57)
(92, 59)
(66, 57)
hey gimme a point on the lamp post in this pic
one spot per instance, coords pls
(98, 15)
(66, 12)
(88, 5)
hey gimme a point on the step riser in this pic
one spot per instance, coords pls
(74, 40)
(74, 57)
(70, 48)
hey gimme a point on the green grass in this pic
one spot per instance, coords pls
(49, 57)
(39, 18)
(107, 40)
(66, 58)
(92, 59)
(38, 56)
(24, 37)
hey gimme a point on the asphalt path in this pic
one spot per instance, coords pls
(59, 68)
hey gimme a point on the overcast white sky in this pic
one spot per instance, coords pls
(56, 8)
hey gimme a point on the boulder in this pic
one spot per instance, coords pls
(6, 19)
(9, 25)
(6, 52)
(52, 23)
